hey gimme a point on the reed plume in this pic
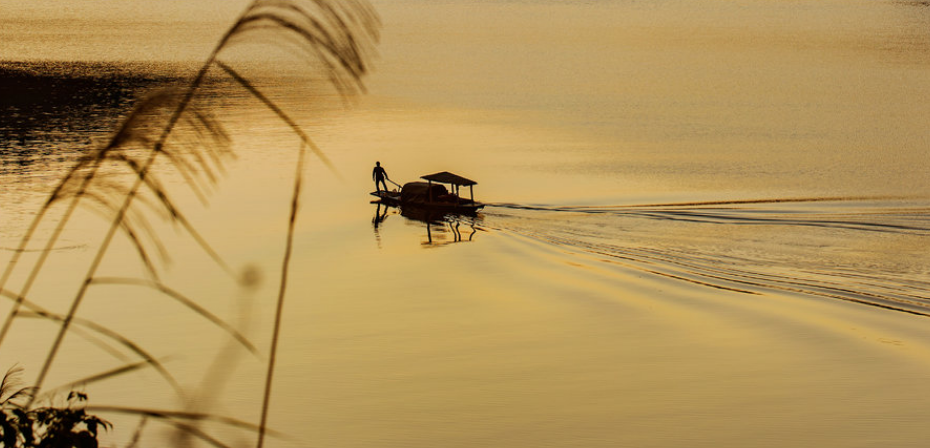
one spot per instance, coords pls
(117, 182)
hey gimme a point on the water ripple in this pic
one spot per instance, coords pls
(864, 250)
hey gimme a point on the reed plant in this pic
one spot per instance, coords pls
(336, 37)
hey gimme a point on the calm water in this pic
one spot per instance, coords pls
(707, 225)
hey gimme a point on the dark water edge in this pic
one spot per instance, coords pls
(53, 111)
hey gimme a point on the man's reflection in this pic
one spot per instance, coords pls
(377, 220)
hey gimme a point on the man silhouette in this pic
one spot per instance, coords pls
(378, 174)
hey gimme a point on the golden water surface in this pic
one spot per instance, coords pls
(707, 225)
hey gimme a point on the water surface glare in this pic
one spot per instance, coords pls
(707, 225)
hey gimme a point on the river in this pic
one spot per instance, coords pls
(707, 224)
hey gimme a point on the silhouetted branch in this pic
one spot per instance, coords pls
(164, 289)
(95, 378)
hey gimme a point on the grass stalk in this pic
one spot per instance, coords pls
(285, 268)
(43, 255)
(117, 221)
(324, 29)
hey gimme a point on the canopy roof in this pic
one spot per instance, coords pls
(449, 178)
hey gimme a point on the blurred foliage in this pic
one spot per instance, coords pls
(69, 426)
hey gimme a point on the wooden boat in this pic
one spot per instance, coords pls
(433, 194)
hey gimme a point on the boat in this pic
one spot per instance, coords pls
(433, 195)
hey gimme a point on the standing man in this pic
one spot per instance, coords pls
(379, 175)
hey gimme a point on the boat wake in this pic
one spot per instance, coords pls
(866, 250)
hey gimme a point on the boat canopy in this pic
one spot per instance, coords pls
(446, 177)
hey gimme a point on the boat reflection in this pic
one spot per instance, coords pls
(442, 228)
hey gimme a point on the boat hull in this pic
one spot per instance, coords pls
(393, 199)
